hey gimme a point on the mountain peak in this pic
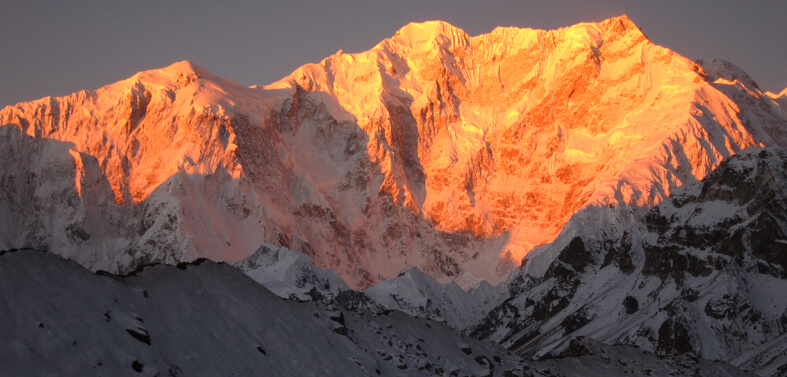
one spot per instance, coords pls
(186, 67)
(181, 73)
(436, 32)
(622, 20)
(621, 26)
(417, 31)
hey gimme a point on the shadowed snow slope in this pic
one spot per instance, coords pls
(204, 319)
(435, 149)
(210, 319)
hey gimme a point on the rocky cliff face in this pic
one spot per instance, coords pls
(702, 273)
(434, 149)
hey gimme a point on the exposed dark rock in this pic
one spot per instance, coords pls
(689, 295)
(521, 341)
(504, 314)
(483, 360)
(655, 221)
(721, 308)
(575, 349)
(619, 254)
(140, 334)
(341, 331)
(576, 255)
(338, 318)
(673, 261)
(631, 304)
(76, 233)
(352, 300)
(768, 240)
(576, 321)
(674, 338)
(553, 302)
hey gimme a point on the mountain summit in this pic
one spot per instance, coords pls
(435, 149)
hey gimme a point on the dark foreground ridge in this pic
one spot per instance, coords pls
(60, 318)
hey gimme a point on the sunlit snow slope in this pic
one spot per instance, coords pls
(435, 149)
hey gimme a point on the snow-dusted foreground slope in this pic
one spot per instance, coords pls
(204, 319)
(703, 273)
(210, 319)
(434, 149)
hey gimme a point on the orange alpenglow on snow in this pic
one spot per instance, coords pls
(435, 149)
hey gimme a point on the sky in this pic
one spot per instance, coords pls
(60, 47)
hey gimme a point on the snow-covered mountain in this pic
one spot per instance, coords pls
(645, 192)
(211, 319)
(420, 295)
(292, 275)
(434, 149)
(703, 273)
